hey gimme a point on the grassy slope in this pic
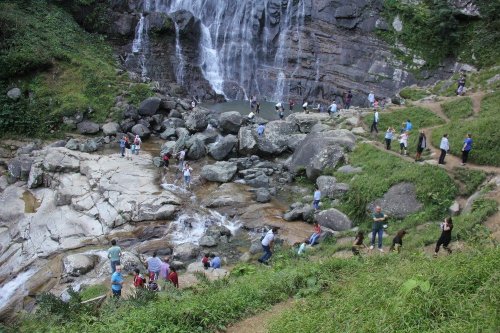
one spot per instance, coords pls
(458, 109)
(63, 68)
(484, 130)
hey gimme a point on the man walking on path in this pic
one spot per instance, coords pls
(389, 134)
(445, 147)
(378, 228)
(422, 144)
(466, 148)
(117, 282)
(268, 245)
(375, 122)
(371, 99)
(114, 254)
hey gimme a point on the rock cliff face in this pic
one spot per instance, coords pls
(276, 49)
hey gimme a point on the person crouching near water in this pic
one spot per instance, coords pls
(397, 241)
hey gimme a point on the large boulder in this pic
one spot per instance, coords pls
(172, 123)
(275, 138)
(197, 120)
(14, 94)
(111, 128)
(79, 264)
(247, 142)
(399, 201)
(219, 150)
(230, 122)
(61, 160)
(319, 151)
(19, 167)
(306, 121)
(219, 172)
(186, 251)
(149, 106)
(333, 219)
(196, 149)
(87, 127)
(141, 130)
(208, 241)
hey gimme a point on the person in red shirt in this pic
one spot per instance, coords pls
(138, 279)
(205, 261)
(314, 237)
(172, 277)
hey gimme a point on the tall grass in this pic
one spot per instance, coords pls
(458, 109)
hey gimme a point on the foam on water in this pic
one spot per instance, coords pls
(16, 286)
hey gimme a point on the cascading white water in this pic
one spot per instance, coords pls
(140, 45)
(15, 285)
(279, 59)
(179, 71)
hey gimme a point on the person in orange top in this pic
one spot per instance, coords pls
(172, 277)
(314, 237)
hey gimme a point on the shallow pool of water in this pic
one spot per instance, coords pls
(31, 204)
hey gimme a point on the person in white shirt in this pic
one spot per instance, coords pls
(304, 107)
(445, 147)
(267, 245)
(332, 109)
(403, 143)
(371, 98)
(186, 171)
(317, 198)
(374, 123)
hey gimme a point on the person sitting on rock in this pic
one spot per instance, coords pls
(260, 129)
(302, 247)
(205, 261)
(315, 236)
(215, 261)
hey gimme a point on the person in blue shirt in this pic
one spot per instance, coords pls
(409, 125)
(466, 148)
(117, 281)
(122, 146)
(215, 261)
(260, 129)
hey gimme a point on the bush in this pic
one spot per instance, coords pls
(458, 109)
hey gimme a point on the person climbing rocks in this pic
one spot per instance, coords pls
(445, 147)
(215, 261)
(371, 99)
(445, 238)
(186, 172)
(403, 143)
(154, 266)
(122, 146)
(137, 143)
(389, 135)
(139, 279)
(467, 147)
(173, 277)
(166, 160)
(397, 241)
(304, 107)
(358, 243)
(315, 235)
(205, 261)
(378, 227)
(117, 282)
(260, 129)
(316, 198)
(268, 245)
(332, 109)
(421, 145)
(114, 255)
(375, 122)
(461, 85)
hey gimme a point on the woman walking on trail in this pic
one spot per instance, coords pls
(422, 144)
(403, 143)
(466, 148)
(358, 243)
(445, 238)
(389, 135)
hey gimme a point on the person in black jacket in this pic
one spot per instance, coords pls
(397, 241)
(445, 238)
(422, 144)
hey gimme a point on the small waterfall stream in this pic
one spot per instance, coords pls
(179, 71)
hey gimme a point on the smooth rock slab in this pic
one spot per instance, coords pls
(399, 201)
(219, 172)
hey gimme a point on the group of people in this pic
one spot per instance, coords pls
(211, 261)
(444, 146)
(157, 270)
(182, 167)
(380, 224)
(127, 148)
(404, 134)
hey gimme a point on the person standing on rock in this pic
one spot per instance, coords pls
(165, 268)
(128, 148)
(291, 104)
(348, 100)
(445, 238)
(180, 157)
(445, 147)
(304, 107)
(253, 102)
(257, 108)
(187, 175)
(268, 245)
(421, 145)
(260, 129)
(403, 143)
(371, 99)
(114, 255)
(332, 109)
(137, 143)
(375, 122)
(154, 266)
(466, 148)
(122, 146)
(389, 135)
(117, 282)
(316, 198)
(378, 228)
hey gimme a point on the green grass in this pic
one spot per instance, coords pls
(471, 179)
(413, 94)
(94, 291)
(60, 68)
(484, 130)
(458, 109)
(420, 118)
(381, 171)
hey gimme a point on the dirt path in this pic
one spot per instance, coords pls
(258, 323)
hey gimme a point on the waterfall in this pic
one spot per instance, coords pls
(179, 71)
(279, 59)
(140, 45)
